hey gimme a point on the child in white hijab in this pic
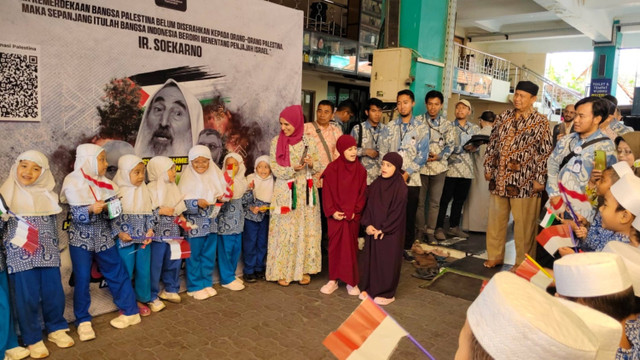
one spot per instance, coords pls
(201, 186)
(231, 221)
(167, 203)
(94, 206)
(34, 274)
(136, 226)
(256, 224)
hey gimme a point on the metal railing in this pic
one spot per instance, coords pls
(553, 96)
(480, 62)
(320, 15)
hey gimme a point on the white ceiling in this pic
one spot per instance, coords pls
(535, 26)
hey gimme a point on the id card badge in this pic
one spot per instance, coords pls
(115, 208)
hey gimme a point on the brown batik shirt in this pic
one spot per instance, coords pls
(517, 153)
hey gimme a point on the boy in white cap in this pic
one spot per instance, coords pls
(631, 257)
(600, 281)
(511, 309)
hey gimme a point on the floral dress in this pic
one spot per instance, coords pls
(294, 237)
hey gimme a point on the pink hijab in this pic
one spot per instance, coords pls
(293, 115)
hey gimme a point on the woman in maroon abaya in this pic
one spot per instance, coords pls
(384, 220)
(343, 198)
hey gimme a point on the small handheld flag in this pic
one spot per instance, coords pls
(180, 249)
(26, 236)
(548, 219)
(184, 224)
(555, 237)
(532, 271)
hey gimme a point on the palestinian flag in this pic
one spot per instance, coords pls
(26, 236)
(4, 209)
(555, 237)
(532, 272)
(548, 219)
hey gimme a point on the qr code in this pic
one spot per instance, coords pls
(19, 91)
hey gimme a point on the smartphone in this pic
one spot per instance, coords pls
(304, 155)
(600, 160)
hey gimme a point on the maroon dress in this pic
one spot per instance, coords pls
(381, 259)
(344, 189)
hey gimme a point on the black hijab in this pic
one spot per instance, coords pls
(386, 207)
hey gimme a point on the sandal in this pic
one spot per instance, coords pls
(283, 282)
(492, 263)
(306, 279)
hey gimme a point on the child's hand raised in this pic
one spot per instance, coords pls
(123, 236)
(97, 207)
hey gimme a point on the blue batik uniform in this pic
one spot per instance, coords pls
(411, 141)
(91, 236)
(632, 331)
(230, 226)
(162, 267)
(135, 255)
(575, 174)
(255, 235)
(203, 241)
(598, 237)
(370, 140)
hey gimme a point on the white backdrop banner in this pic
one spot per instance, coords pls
(140, 78)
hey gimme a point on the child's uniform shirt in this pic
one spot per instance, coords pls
(632, 330)
(200, 217)
(598, 237)
(231, 217)
(46, 255)
(164, 226)
(251, 201)
(136, 225)
(92, 232)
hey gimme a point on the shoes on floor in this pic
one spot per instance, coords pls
(329, 287)
(353, 290)
(240, 279)
(363, 295)
(426, 273)
(170, 297)
(235, 285)
(144, 309)
(384, 301)
(156, 305)
(124, 321)
(249, 278)
(61, 338)
(408, 256)
(260, 275)
(456, 232)
(16, 353)
(439, 234)
(283, 282)
(201, 294)
(306, 279)
(85, 331)
(38, 350)
(211, 291)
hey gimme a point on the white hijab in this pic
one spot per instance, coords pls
(163, 192)
(262, 188)
(239, 180)
(207, 186)
(134, 199)
(37, 199)
(76, 189)
(195, 116)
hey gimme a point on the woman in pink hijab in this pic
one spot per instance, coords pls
(294, 228)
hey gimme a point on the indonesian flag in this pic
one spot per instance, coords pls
(532, 273)
(26, 237)
(184, 224)
(228, 178)
(554, 237)
(98, 183)
(282, 210)
(180, 249)
(548, 219)
(368, 333)
(573, 194)
(559, 207)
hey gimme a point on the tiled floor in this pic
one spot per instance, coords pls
(266, 321)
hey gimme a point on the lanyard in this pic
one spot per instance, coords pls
(403, 134)
(375, 138)
(431, 127)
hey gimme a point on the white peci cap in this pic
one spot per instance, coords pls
(514, 319)
(631, 257)
(627, 193)
(622, 168)
(607, 330)
(590, 274)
